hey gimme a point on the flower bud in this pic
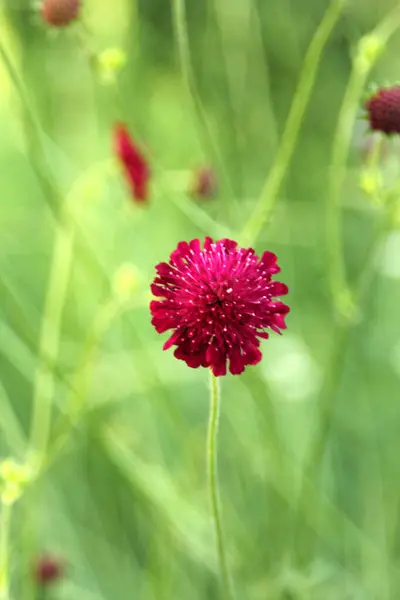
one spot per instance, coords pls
(109, 64)
(60, 13)
(48, 570)
(126, 280)
(384, 110)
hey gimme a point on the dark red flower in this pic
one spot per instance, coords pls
(204, 183)
(384, 110)
(133, 163)
(219, 303)
(48, 570)
(60, 13)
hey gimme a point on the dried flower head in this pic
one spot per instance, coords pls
(60, 13)
(48, 569)
(204, 183)
(384, 110)
(134, 165)
(219, 302)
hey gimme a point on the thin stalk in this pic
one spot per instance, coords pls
(332, 381)
(44, 386)
(33, 133)
(183, 49)
(5, 522)
(76, 399)
(368, 52)
(341, 145)
(273, 183)
(212, 438)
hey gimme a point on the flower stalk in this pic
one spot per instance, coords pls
(274, 181)
(212, 439)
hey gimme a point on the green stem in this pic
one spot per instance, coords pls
(5, 522)
(76, 400)
(368, 51)
(213, 483)
(33, 133)
(183, 48)
(317, 448)
(341, 145)
(44, 386)
(273, 183)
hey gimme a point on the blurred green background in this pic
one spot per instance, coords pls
(125, 502)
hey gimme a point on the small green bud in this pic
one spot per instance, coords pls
(369, 49)
(109, 64)
(13, 472)
(126, 281)
(371, 182)
(14, 477)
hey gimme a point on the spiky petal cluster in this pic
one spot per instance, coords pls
(384, 110)
(133, 163)
(60, 13)
(218, 301)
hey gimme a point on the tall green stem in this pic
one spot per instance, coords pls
(317, 448)
(212, 438)
(183, 48)
(273, 183)
(5, 522)
(368, 51)
(44, 387)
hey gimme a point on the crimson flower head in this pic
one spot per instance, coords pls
(48, 569)
(133, 163)
(219, 301)
(60, 13)
(204, 183)
(384, 110)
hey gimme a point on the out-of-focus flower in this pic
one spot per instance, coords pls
(60, 13)
(126, 280)
(384, 110)
(48, 569)
(219, 302)
(371, 182)
(13, 479)
(204, 184)
(109, 64)
(133, 163)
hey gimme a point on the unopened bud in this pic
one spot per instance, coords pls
(371, 182)
(60, 13)
(109, 64)
(126, 281)
(370, 48)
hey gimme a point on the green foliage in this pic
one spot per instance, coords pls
(309, 445)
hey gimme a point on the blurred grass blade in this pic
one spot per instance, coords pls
(274, 180)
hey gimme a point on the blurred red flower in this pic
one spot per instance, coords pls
(384, 110)
(48, 569)
(60, 13)
(133, 163)
(204, 183)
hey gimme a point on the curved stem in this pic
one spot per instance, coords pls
(273, 183)
(362, 65)
(183, 48)
(5, 522)
(212, 437)
(317, 448)
(34, 136)
(341, 145)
